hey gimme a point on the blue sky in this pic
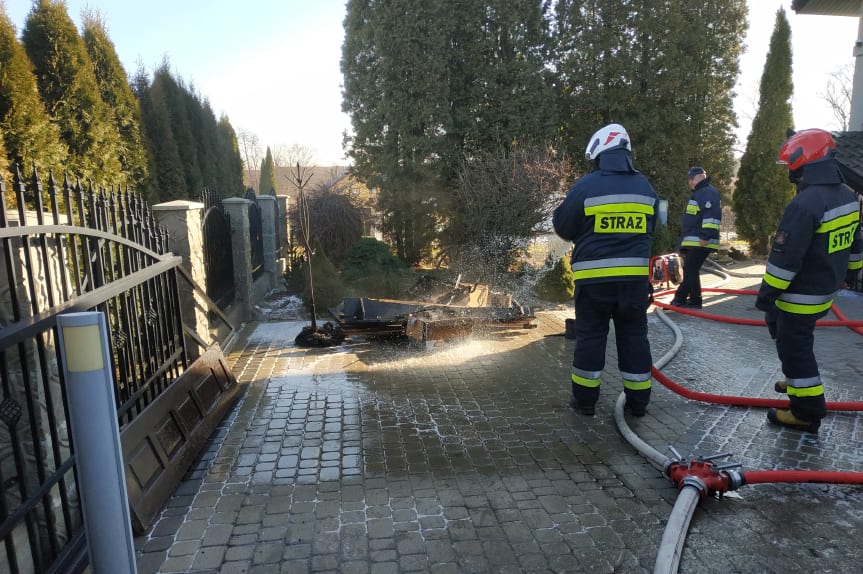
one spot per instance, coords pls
(273, 65)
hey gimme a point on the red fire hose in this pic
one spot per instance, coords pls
(856, 326)
(701, 476)
(743, 401)
(843, 321)
(766, 476)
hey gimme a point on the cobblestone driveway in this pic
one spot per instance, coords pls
(376, 457)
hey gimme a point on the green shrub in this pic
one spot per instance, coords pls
(558, 284)
(328, 287)
(297, 276)
(371, 270)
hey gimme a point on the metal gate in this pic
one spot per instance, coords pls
(65, 249)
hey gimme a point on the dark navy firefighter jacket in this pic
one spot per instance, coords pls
(817, 246)
(609, 214)
(702, 217)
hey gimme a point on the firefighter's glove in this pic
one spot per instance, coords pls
(764, 304)
(770, 317)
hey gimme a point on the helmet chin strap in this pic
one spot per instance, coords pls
(795, 175)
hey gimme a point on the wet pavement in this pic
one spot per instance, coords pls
(378, 457)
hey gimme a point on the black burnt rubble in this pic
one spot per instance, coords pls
(444, 313)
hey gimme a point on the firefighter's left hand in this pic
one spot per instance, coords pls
(770, 317)
(702, 242)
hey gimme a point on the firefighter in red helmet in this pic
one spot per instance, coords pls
(817, 247)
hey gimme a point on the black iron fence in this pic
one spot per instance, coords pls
(70, 248)
(256, 236)
(218, 263)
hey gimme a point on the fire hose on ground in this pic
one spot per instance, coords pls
(702, 476)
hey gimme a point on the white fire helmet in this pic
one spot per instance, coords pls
(609, 137)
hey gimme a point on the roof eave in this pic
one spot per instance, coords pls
(827, 7)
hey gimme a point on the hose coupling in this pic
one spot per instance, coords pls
(735, 479)
(696, 482)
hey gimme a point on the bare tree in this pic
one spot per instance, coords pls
(837, 94)
(503, 198)
(291, 154)
(299, 179)
(250, 148)
(334, 219)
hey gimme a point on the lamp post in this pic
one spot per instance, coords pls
(84, 350)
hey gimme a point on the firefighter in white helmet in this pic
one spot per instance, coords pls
(609, 214)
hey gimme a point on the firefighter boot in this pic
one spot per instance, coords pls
(780, 387)
(635, 409)
(582, 407)
(785, 418)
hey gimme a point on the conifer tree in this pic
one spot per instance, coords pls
(166, 180)
(393, 70)
(500, 88)
(28, 136)
(176, 98)
(472, 78)
(763, 189)
(117, 94)
(267, 183)
(4, 164)
(205, 128)
(666, 71)
(67, 85)
(230, 164)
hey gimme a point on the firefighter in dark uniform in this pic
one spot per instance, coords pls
(699, 236)
(818, 246)
(609, 214)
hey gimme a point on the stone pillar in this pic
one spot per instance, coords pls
(237, 209)
(182, 220)
(267, 203)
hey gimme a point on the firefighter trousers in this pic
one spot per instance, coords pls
(690, 287)
(795, 340)
(625, 303)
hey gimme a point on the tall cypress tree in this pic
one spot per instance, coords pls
(166, 180)
(67, 85)
(763, 189)
(268, 175)
(500, 87)
(176, 99)
(205, 128)
(26, 132)
(115, 91)
(471, 78)
(230, 164)
(395, 91)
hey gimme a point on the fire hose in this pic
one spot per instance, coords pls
(702, 476)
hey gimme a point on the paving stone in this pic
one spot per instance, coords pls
(209, 557)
